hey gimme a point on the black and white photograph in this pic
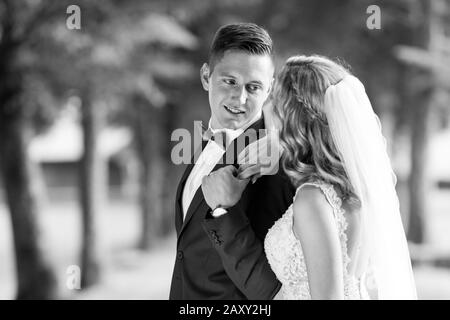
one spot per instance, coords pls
(224, 150)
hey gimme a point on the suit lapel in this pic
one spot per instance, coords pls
(195, 203)
(179, 198)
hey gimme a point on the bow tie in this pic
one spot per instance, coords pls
(219, 137)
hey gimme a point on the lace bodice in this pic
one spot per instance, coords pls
(285, 255)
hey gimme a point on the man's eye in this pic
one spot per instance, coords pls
(229, 81)
(252, 88)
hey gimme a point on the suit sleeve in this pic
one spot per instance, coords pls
(241, 251)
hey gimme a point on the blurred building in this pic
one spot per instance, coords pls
(438, 165)
(57, 153)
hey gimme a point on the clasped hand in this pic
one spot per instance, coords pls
(222, 188)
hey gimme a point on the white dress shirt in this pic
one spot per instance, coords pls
(206, 162)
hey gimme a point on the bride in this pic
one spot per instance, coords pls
(342, 237)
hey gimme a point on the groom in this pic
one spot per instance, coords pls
(220, 251)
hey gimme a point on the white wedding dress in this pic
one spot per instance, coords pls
(382, 254)
(285, 255)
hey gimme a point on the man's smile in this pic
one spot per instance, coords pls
(233, 110)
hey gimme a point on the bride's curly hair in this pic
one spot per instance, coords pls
(309, 152)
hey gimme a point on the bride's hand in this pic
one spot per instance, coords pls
(270, 120)
(260, 157)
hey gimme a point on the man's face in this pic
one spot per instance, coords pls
(237, 87)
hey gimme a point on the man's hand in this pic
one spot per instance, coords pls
(222, 189)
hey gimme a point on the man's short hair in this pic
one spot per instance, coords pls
(247, 37)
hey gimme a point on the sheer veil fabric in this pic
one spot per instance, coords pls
(356, 132)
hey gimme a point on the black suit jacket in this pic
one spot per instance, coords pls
(223, 258)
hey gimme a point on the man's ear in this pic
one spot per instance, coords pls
(204, 76)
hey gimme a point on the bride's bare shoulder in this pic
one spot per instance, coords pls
(310, 203)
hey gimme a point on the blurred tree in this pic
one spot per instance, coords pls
(68, 61)
(156, 61)
(92, 168)
(18, 19)
(150, 137)
(429, 59)
(36, 47)
(112, 64)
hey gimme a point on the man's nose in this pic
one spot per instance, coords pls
(241, 94)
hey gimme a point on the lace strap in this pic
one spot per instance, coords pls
(314, 184)
(330, 194)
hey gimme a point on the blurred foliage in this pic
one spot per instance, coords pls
(153, 50)
(156, 48)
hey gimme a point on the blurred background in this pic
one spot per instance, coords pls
(89, 97)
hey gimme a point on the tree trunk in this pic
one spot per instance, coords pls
(427, 35)
(35, 278)
(150, 139)
(173, 175)
(418, 184)
(152, 182)
(90, 194)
